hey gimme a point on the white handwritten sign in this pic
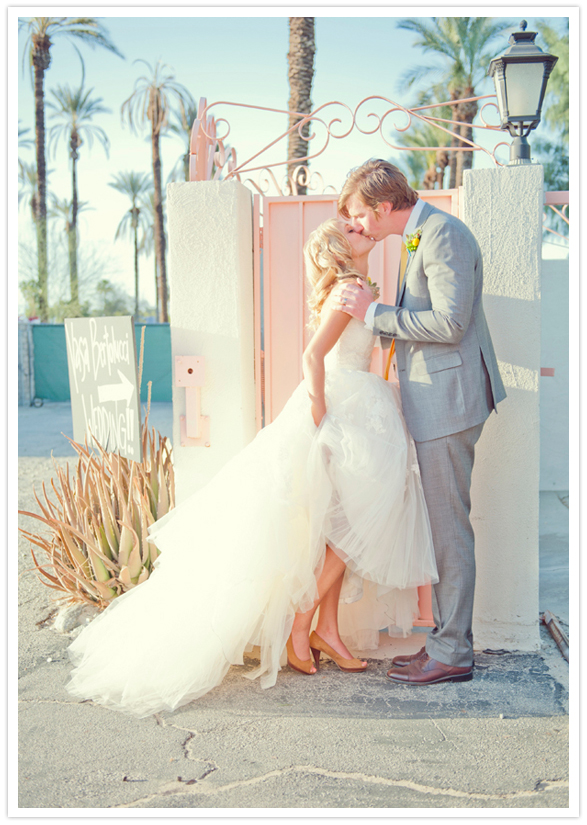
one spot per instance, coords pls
(103, 381)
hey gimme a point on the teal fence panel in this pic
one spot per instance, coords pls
(157, 360)
(50, 356)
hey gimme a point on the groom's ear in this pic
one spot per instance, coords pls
(385, 208)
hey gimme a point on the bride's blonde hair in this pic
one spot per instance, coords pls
(329, 258)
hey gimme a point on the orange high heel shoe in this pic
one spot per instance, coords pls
(318, 645)
(302, 666)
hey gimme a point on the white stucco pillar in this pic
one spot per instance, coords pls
(503, 207)
(211, 307)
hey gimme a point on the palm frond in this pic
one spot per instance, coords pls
(63, 208)
(74, 110)
(24, 142)
(89, 30)
(417, 73)
(134, 185)
(463, 47)
(151, 99)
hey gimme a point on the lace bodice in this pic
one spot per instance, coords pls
(353, 349)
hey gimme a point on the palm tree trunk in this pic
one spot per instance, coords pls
(41, 61)
(73, 279)
(467, 112)
(441, 164)
(71, 254)
(156, 287)
(453, 155)
(159, 233)
(300, 74)
(136, 234)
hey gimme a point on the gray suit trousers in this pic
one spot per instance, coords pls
(446, 465)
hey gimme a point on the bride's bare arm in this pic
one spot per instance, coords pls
(332, 323)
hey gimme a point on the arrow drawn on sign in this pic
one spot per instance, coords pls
(116, 392)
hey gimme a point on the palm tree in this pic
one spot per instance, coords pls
(556, 112)
(75, 109)
(41, 33)
(24, 142)
(134, 185)
(27, 182)
(425, 168)
(27, 172)
(151, 101)
(462, 44)
(28, 187)
(554, 153)
(64, 209)
(300, 74)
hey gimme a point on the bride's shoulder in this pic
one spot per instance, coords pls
(331, 299)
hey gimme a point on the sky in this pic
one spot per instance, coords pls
(240, 57)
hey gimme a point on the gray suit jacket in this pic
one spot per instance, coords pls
(447, 369)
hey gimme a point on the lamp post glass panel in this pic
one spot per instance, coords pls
(520, 75)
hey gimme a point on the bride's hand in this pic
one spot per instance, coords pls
(318, 413)
(354, 299)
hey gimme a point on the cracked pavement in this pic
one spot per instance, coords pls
(332, 741)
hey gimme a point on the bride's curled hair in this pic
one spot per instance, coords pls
(328, 258)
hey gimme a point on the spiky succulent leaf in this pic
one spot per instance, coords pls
(98, 545)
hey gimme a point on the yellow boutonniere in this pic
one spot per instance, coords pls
(413, 241)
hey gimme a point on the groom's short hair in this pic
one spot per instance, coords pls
(375, 182)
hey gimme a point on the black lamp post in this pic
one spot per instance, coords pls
(520, 75)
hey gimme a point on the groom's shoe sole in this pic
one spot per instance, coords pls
(465, 677)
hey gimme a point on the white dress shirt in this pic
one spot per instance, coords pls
(409, 229)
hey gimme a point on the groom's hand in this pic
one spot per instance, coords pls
(354, 299)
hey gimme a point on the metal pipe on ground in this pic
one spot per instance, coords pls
(557, 633)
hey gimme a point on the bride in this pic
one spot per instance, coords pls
(324, 508)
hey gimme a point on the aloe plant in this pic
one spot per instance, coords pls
(98, 545)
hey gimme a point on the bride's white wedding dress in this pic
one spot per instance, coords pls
(240, 557)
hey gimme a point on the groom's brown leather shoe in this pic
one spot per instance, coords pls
(404, 660)
(427, 671)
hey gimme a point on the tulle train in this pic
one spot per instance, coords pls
(241, 556)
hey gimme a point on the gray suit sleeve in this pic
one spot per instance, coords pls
(449, 265)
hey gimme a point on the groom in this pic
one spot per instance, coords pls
(449, 381)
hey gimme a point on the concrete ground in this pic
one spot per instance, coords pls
(41, 430)
(334, 741)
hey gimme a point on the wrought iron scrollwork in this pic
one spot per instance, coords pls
(330, 121)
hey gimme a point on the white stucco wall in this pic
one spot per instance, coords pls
(211, 306)
(503, 207)
(554, 391)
